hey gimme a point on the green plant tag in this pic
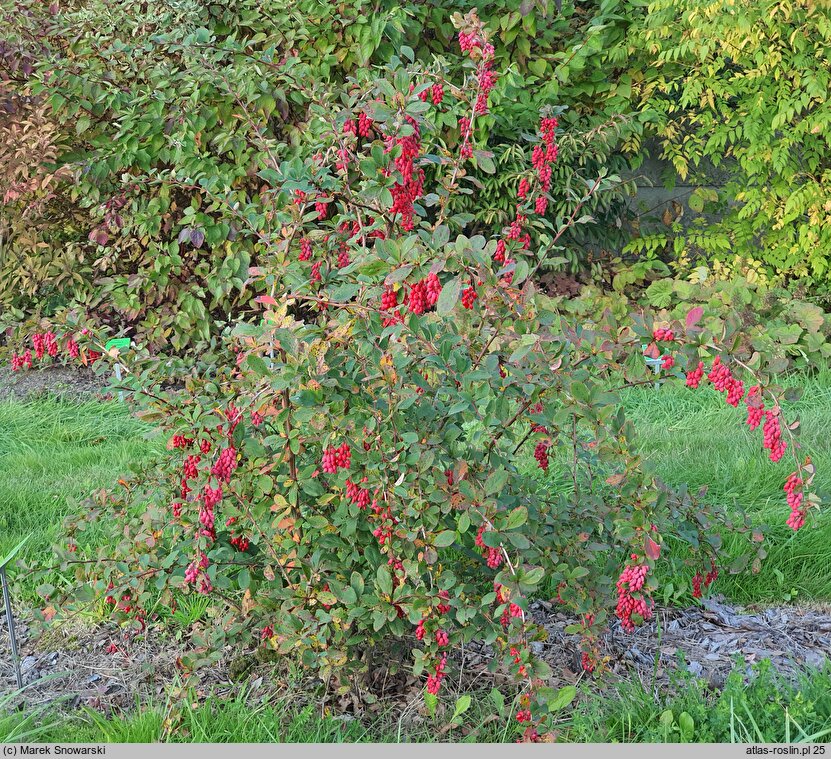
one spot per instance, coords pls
(122, 343)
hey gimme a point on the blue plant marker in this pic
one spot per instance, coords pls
(655, 363)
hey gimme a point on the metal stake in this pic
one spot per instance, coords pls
(10, 622)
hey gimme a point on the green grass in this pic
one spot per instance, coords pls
(694, 437)
(53, 454)
(766, 710)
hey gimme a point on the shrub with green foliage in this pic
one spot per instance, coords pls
(744, 86)
(353, 486)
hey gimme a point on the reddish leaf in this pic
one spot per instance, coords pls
(694, 316)
(266, 300)
(652, 351)
(652, 549)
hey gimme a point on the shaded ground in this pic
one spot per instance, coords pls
(67, 381)
(106, 667)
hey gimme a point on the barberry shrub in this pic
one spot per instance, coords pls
(363, 472)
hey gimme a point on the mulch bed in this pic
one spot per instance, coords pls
(64, 381)
(105, 667)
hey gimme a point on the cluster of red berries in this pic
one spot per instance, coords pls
(485, 81)
(357, 495)
(493, 556)
(517, 657)
(305, 249)
(190, 468)
(667, 362)
(46, 344)
(196, 571)
(755, 407)
(795, 497)
(225, 464)
(706, 580)
(386, 522)
(541, 454)
(772, 435)
(523, 715)
(723, 380)
(411, 186)
(267, 633)
(361, 128)
(542, 157)
(587, 662)
(434, 680)
(631, 581)
(469, 296)
(435, 93)
(443, 608)
(424, 294)
(240, 543)
(695, 376)
(336, 458)
(661, 334)
(512, 611)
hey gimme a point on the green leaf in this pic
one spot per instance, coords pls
(518, 517)
(562, 699)
(383, 580)
(462, 705)
(446, 538)
(496, 481)
(449, 296)
(344, 292)
(325, 597)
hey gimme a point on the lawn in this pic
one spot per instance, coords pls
(53, 453)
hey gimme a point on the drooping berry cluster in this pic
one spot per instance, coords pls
(795, 497)
(723, 380)
(493, 556)
(225, 464)
(46, 344)
(755, 407)
(772, 434)
(542, 158)
(469, 296)
(336, 458)
(424, 294)
(695, 376)
(541, 454)
(434, 681)
(357, 495)
(700, 580)
(661, 334)
(411, 185)
(631, 582)
(517, 657)
(196, 571)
